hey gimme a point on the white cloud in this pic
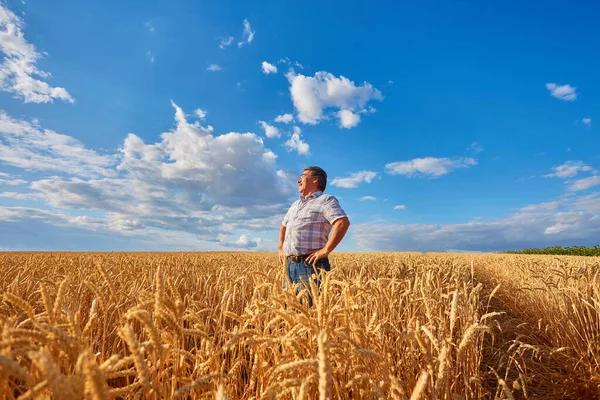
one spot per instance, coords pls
(26, 145)
(214, 67)
(517, 231)
(270, 131)
(225, 42)
(12, 182)
(150, 57)
(348, 119)
(313, 95)
(585, 183)
(569, 169)
(18, 68)
(563, 92)
(189, 181)
(546, 206)
(200, 113)
(430, 166)
(367, 198)
(295, 143)
(285, 118)
(247, 35)
(354, 179)
(400, 207)
(268, 68)
(587, 121)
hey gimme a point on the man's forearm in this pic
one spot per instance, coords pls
(281, 237)
(340, 227)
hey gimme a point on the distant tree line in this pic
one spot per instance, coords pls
(559, 250)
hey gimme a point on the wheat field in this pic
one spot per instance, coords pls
(220, 325)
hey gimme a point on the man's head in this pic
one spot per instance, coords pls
(313, 179)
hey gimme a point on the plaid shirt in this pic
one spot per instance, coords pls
(308, 223)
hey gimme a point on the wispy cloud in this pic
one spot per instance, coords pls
(226, 42)
(18, 68)
(150, 57)
(214, 67)
(313, 95)
(428, 166)
(400, 207)
(585, 183)
(475, 148)
(354, 179)
(268, 68)
(26, 145)
(247, 34)
(587, 121)
(569, 169)
(562, 92)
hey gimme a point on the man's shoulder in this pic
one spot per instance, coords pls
(327, 198)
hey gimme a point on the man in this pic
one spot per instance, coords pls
(304, 238)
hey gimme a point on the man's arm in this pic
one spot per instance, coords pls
(281, 240)
(340, 227)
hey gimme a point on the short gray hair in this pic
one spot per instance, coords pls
(320, 174)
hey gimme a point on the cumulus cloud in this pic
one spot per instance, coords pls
(295, 142)
(225, 42)
(190, 181)
(18, 71)
(247, 34)
(569, 169)
(285, 118)
(313, 95)
(428, 166)
(367, 198)
(26, 145)
(348, 119)
(268, 68)
(270, 131)
(213, 68)
(400, 207)
(587, 121)
(354, 179)
(562, 92)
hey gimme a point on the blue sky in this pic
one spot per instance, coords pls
(184, 126)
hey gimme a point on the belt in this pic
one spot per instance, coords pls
(297, 259)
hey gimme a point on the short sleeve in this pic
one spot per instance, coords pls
(287, 217)
(332, 210)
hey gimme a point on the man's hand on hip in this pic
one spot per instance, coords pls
(316, 256)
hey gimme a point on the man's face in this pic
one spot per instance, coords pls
(306, 182)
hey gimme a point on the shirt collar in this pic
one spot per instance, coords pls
(315, 195)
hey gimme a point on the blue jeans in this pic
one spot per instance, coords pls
(304, 270)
